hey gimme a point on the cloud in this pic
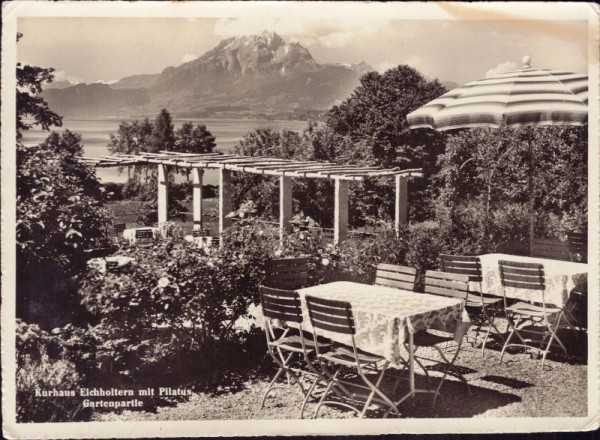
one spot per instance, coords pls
(504, 67)
(308, 31)
(382, 67)
(188, 57)
(61, 75)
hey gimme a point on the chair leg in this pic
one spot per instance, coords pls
(329, 386)
(507, 342)
(449, 364)
(284, 368)
(375, 390)
(553, 336)
(308, 394)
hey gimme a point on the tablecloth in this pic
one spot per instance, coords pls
(560, 278)
(201, 242)
(384, 316)
(129, 234)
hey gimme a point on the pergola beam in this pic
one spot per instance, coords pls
(163, 194)
(197, 174)
(225, 206)
(285, 169)
(285, 206)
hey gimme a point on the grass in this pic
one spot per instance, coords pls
(125, 211)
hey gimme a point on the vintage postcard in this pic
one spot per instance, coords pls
(299, 218)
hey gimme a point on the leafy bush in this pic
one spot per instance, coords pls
(40, 366)
(176, 299)
(60, 214)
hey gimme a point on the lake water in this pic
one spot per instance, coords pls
(95, 136)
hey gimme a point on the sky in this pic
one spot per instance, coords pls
(87, 49)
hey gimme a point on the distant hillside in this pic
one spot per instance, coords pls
(93, 100)
(251, 76)
(58, 85)
(136, 82)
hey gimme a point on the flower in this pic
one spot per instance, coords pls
(301, 236)
(325, 262)
(278, 253)
(163, 282)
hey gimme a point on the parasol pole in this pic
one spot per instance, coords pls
(526, 65)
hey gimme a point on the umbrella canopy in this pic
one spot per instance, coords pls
(527, 96)
(524, 97)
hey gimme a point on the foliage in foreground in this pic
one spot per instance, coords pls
(60, 214)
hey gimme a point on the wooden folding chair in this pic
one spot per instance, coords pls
(280, 308)
(578, 247)
(529, 276)
(119, 240)
(144, 237)
(400, 277)
(482, 309)
(452, 286)
(336, 317)
(287, 273)
(549, 248)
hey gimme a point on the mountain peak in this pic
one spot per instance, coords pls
(256, 54)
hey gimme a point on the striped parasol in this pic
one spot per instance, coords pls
(527, 96)
(524, 97)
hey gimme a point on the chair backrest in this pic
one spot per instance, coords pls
(280, 304)
(469, 265)
(287, 273)
(578, 246)
(144, 233)
(111, 265)
(331, 315)
(521, 275)
(391, 275)
(215, 242)
(554, 249)
(119, 228)
(452, 285)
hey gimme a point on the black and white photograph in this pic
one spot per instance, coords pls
(259, 218)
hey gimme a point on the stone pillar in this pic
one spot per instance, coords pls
(224, 199)
(197, 174)
(163, 193)
(285, 205)
(401, 205)
(340, 215)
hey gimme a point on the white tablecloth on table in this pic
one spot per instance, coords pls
(201, 242)
(100, 263)
(129, 234)
(384, 316)
(560, 278)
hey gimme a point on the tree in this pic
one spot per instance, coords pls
(30, 80)
(132, 137)
(373, 121)
(59, 216)
(482, 187)
(163, 135)
(194, 139)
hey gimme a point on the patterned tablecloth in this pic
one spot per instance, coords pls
(129, 234)
(560, 278)
(384, 316)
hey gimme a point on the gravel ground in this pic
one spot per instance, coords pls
(517, 388)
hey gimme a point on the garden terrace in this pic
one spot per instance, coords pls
(285, 169)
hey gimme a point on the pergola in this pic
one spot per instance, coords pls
(285, 169)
